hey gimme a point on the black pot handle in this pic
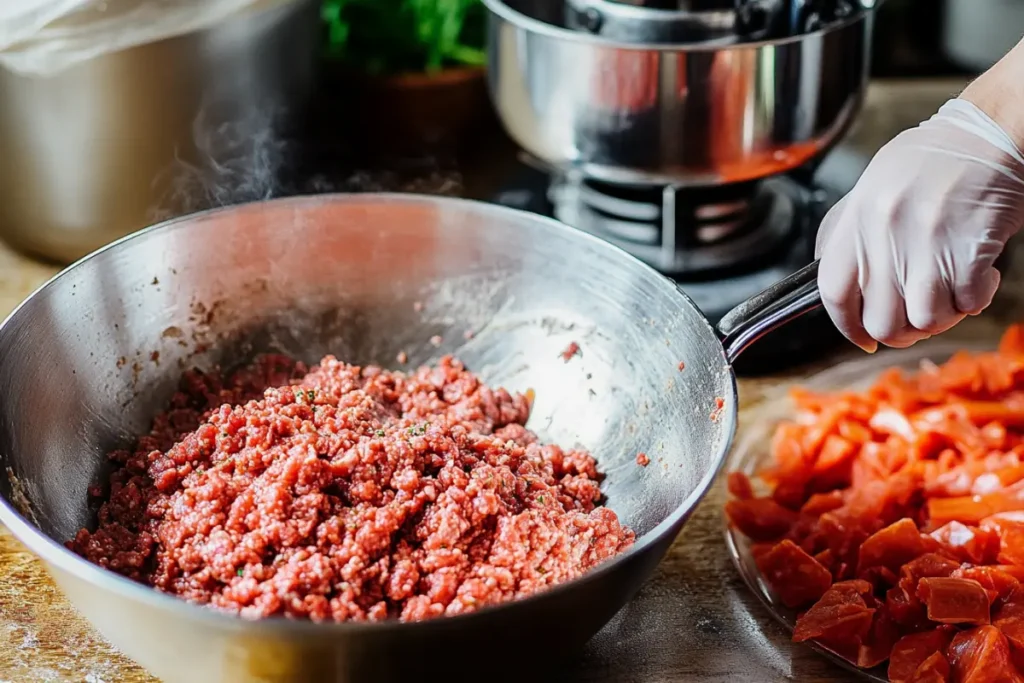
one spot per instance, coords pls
(762, 313)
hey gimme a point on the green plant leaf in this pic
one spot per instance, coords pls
(387, 36)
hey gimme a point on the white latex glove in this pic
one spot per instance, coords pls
(909, 252)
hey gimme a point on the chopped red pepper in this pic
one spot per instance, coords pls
(909, 497)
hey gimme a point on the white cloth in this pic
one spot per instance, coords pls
(43, 37)
(909, 252)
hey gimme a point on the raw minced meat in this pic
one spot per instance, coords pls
(347, 493)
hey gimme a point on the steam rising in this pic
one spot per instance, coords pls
(256, 155)
(233, 161)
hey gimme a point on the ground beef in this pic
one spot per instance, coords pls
(350, 493)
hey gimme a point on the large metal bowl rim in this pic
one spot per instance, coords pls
(536, 26)
(56, 554)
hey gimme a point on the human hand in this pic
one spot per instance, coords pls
(910, 251)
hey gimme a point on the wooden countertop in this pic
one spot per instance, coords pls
(695, 620)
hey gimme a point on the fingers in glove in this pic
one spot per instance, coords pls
(828, 226)
(930, 305)
(885, 313)
(974, 296)
(841, 294)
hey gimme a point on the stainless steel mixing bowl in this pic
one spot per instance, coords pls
(88, 359)
(669, 114)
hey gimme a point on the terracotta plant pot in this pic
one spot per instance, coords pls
(419, 111)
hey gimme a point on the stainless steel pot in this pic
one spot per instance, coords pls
(663, 113)
(113, 144)
(340, 274)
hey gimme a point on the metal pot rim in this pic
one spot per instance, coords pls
(535, 26)
(55, 554)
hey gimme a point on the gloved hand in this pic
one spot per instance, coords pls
(909, 252)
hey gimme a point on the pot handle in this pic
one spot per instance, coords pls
(762, 313)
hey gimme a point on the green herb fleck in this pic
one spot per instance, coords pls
(311, 395)
(240, 572)
(379, 432)
(540, 499)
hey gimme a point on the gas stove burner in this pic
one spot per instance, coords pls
(721, 244)
(688, 234)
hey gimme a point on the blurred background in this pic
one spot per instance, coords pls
(916, 38)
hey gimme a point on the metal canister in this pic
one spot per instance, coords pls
(107, 146)
(690, 114)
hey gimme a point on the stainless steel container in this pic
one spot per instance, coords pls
(689, 115)
(109, 145)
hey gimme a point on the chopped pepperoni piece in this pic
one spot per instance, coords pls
(796, 577)
(910, 493)
(913, 650)
(935, 669)
(760, 519)
(892, 546)
(982, 655)
(968, 543)
(996, 582)
(739, 486)
(954, 601)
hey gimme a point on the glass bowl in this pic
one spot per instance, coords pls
(752, 452)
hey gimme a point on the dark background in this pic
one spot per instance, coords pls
(907, 43)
